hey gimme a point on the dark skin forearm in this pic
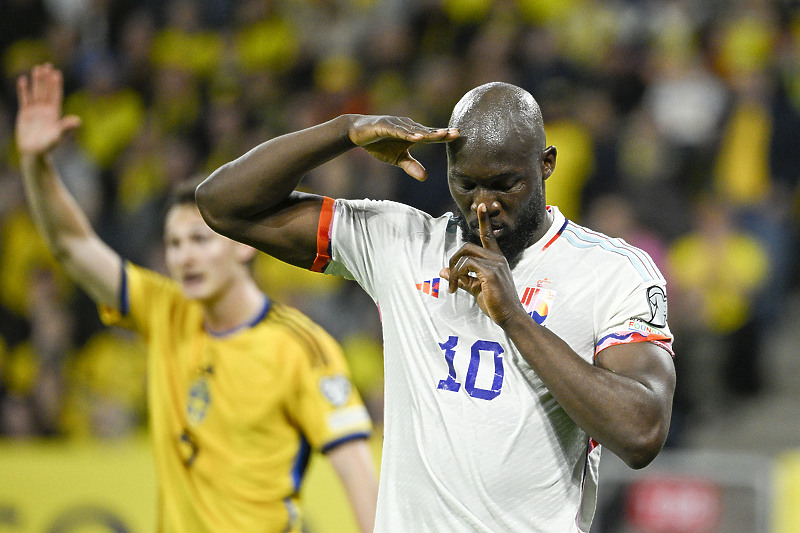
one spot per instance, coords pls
(623, 401)
(626, 414)
(267, 175)
(253, 200)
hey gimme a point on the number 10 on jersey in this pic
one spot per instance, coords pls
(452, 384)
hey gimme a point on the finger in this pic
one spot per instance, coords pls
(444, 273)
(55, 87)
(440, 135)
(428, 134)
(452, 270)
(488, 239)
(412, 167)
(70, 122)
(37, 83)
(452, 274)
(23, 92)
(392, 131)
(452, 280)
(463, 275)
(456, 260)
(49, 84)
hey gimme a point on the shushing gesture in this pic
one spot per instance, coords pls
(40, 126)
(483, 271)
(388, 140)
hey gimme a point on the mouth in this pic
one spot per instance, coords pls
(498, 230)
(191, 279)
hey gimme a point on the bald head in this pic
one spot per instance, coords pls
(498, 115)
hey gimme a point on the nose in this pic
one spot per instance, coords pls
(485, 197)
(182, 254)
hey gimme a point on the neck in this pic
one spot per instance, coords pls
(543, 228)
(235, 308)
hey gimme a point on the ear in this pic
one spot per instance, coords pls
(548, 161)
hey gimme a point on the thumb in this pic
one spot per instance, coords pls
(412, 167)
(69, 123)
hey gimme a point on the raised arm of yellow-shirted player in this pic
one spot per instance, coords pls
(40, 127)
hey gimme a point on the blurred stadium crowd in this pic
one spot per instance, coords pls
(676, 121)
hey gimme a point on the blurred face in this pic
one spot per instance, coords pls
(204, 263)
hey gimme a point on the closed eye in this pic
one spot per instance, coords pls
(514, 187)
(465, 186)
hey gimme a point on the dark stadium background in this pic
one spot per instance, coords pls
(677, 126)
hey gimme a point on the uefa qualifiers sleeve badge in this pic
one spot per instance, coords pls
(657, 299)
(335, 389)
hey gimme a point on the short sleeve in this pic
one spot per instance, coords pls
(143, 294)
(366, 233)
(327, 406)
(634, 313)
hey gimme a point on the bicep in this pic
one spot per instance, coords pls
(646, 363)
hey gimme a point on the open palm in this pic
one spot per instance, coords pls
(40, 125)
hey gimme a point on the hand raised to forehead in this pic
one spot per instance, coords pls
(388, 139)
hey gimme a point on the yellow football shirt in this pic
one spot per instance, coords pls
(234, 417)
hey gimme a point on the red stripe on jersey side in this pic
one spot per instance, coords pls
(558, 233)
(323, 235)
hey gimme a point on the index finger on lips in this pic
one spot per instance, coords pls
(488, 240)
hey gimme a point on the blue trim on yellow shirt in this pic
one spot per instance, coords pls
(258, 318)
(124, 300)
(333, 444)
(300, 463)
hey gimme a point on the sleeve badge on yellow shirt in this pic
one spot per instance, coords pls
(335, 389)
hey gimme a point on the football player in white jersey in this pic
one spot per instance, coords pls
(517, 343)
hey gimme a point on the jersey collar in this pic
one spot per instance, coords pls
(556, 227)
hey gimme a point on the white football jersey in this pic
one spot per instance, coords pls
(473, 441)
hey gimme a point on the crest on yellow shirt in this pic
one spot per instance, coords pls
(198, 401)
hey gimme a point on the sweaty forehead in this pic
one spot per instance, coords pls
(496, 115)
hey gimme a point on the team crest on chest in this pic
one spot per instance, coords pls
(538, 300)
(198, 401)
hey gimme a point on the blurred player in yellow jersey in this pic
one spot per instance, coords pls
(240, 388)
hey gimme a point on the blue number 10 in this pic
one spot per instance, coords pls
(450, 384)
